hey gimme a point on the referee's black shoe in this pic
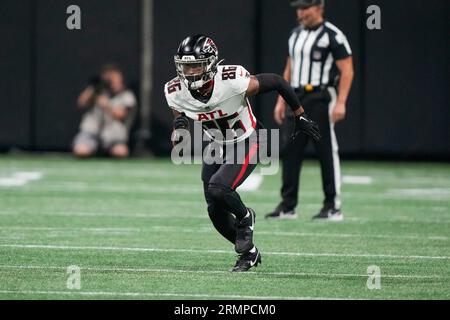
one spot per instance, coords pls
(247, 260)
(328, 213)
(280, 214)
(244, 232)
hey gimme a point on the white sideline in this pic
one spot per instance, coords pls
(298, 274)
(297, 254)
(165, 294)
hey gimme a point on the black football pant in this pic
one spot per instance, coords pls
(318, 106)
(220, 181)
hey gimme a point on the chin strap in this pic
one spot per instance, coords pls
(207, 85)
(220, 61)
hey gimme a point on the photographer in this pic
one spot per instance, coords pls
(108, 106)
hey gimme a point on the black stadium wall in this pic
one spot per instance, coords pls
(398, 106)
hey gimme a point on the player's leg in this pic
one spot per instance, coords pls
(222, 219)
(238, 165)
(230, 175)
(230, 201)
(327, 150)
(223, 186)
(243, 226)
(237, 230)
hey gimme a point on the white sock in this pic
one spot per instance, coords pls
(253, 250)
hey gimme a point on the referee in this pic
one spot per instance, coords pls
(320, 69)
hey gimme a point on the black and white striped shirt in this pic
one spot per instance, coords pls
(313, 54)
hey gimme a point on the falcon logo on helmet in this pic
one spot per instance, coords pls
(196, 61)
(210, 46)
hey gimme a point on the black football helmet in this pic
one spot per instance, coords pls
(196, 61)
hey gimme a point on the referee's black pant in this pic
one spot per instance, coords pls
(318, 106)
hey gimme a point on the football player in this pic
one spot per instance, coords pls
(216, 95)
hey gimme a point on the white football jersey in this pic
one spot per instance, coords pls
(227, 117)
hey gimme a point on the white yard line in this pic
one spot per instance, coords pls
(348, 219)
(296, 254)
(208, 229)
(111, 215)
(396, 219)
(352, 235)
(304, 234)
(311, 205)
(113, 188)
(416, 192)
(73, 175)
(195, 188)
(150, 169)
(67, 229)
(364, 180)
(156, 270)
(20, 178)
(165, 294)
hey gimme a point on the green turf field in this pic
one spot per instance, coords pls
(138, 229)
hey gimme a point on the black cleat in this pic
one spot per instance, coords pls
(244, 233)
(247, 261)
(281, 215)
(329, 214)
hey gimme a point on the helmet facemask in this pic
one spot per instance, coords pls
(195, 73)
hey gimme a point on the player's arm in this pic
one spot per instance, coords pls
(180, 121)
(266, 82)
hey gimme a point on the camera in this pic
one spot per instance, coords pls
(100, 85)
